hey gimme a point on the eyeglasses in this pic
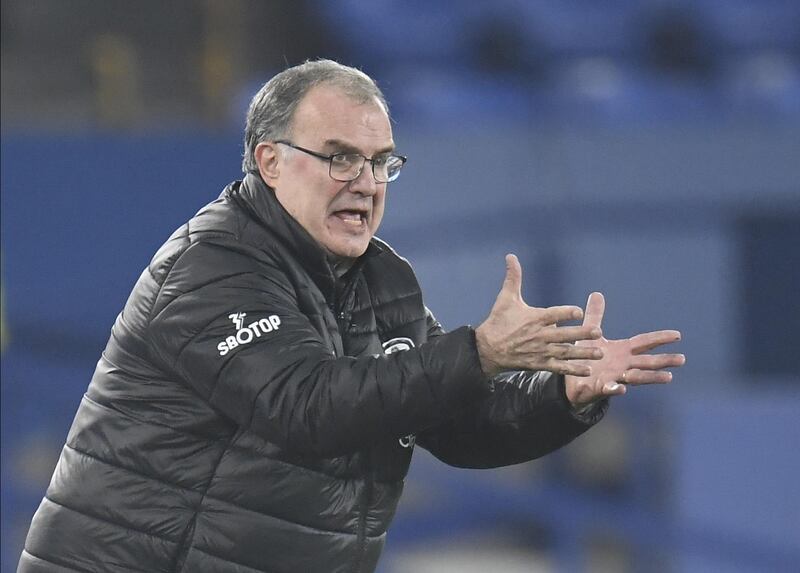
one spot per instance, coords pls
(348, 166)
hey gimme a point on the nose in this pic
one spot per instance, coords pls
(365, 183)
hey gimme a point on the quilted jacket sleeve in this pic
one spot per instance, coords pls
(229, 326)
(526, 416)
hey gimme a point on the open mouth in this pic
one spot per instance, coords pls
(354, 217)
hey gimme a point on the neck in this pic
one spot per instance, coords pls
(340, 265)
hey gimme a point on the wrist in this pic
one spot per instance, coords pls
(489, 366)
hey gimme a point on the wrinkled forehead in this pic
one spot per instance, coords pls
(328, 113)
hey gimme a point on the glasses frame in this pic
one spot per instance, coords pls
(329, 159)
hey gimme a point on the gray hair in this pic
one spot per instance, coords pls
(272, 109)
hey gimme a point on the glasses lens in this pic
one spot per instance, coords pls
(391, 168)
(346, 166)
(387, 169)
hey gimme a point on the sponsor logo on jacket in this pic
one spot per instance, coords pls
(390, 347)
(397, 345)
(247, 334)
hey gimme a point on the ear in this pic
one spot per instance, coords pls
(268, 160)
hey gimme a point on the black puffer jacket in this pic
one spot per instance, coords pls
(251, 413)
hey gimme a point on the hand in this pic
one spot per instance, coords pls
(623, 362)
(516, 336)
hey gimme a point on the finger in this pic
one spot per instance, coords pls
(636, 376)
(657, 361)
(650, 340)
(570, 333)
(595, 308)
(554, 314)
(613, 389)
(572, 352)
(566, 367)
(512, 284)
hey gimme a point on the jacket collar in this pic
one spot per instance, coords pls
(260, 201)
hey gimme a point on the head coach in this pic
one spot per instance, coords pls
(259, 400)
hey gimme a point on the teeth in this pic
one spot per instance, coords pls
(350, 217)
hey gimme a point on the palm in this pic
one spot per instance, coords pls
(624, 361)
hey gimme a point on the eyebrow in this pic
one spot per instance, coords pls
(345, 147)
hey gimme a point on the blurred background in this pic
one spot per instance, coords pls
(647, 149)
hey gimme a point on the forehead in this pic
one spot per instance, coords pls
(327, 113)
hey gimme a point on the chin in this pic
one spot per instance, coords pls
(351, 250)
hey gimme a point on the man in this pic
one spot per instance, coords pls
(260, 397)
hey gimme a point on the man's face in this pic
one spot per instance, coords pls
(342, 217)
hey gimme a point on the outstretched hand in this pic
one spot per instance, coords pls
(624, 362)
(516, 336)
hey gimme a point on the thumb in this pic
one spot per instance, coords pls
(512, 285)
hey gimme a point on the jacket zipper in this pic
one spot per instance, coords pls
(338, 303)
(342, 317)
(361, 543)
